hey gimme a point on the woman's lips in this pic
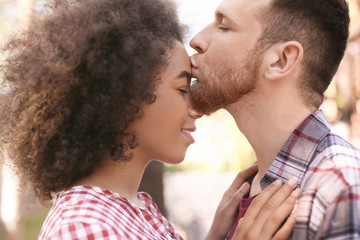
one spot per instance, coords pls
(187, 132)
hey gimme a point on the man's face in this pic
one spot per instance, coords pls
(226, 65)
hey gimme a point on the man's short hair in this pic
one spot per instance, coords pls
(322, 27)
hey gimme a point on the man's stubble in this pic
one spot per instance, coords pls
(226, 83)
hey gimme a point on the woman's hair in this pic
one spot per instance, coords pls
(75, 79)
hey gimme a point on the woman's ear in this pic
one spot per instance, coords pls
(282, 59)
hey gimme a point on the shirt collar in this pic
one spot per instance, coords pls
(298, 152)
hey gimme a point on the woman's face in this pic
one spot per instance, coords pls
(164, 131)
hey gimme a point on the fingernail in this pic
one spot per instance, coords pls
(295, 211)
(245, 186)
(293, 182)
(296, 193)
(277, 182)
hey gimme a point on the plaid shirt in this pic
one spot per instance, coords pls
(84, 212)
(328, 169)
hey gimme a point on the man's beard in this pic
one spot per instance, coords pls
(226, 84)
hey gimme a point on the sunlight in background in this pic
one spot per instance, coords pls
(196, 15)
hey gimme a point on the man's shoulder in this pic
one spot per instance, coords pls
(333, 146)
(338, 158)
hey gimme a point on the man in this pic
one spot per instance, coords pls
(268, 62)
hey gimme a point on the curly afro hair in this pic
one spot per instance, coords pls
(77, 76)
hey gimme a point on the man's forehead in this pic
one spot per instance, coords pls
(235, 8)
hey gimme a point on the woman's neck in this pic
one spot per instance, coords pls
(120, 177)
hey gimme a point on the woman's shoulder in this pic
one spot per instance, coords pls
(86, 209)
(90, 198)
(149, 203)
(82, 230)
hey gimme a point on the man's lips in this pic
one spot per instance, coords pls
(193, 71)
(194, 68)
(193, 63)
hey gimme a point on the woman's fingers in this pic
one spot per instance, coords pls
(236, 198)
(275, 201)
(276, 219)
(285, 231)
(234, 190)
(248, 227)
(226, 214)
(242, 176)
(268, 211)
(257, 204)
(227, 210)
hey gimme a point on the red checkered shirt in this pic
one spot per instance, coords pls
(328, 169)
(84, 212)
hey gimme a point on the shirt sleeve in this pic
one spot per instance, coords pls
(85, 231)
(342, 218)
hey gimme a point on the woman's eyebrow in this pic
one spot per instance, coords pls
(185, 74)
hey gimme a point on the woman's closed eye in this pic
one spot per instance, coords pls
(185, 91)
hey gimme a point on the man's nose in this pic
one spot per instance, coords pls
(199, 42)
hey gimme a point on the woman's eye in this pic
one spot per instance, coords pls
(184, 90)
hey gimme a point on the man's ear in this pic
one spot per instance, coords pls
(282, 59)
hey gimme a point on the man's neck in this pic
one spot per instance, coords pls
(267, 126)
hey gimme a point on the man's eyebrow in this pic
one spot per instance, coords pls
(185, 74)
(219, 14)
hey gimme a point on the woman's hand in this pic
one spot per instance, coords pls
(268, 211)
(227, 210)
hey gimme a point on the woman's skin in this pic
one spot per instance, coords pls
(164, 134)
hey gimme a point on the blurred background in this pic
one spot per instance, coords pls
(187, 193)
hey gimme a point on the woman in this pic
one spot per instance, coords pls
(97, 89)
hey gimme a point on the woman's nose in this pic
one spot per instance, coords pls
(194, 113)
